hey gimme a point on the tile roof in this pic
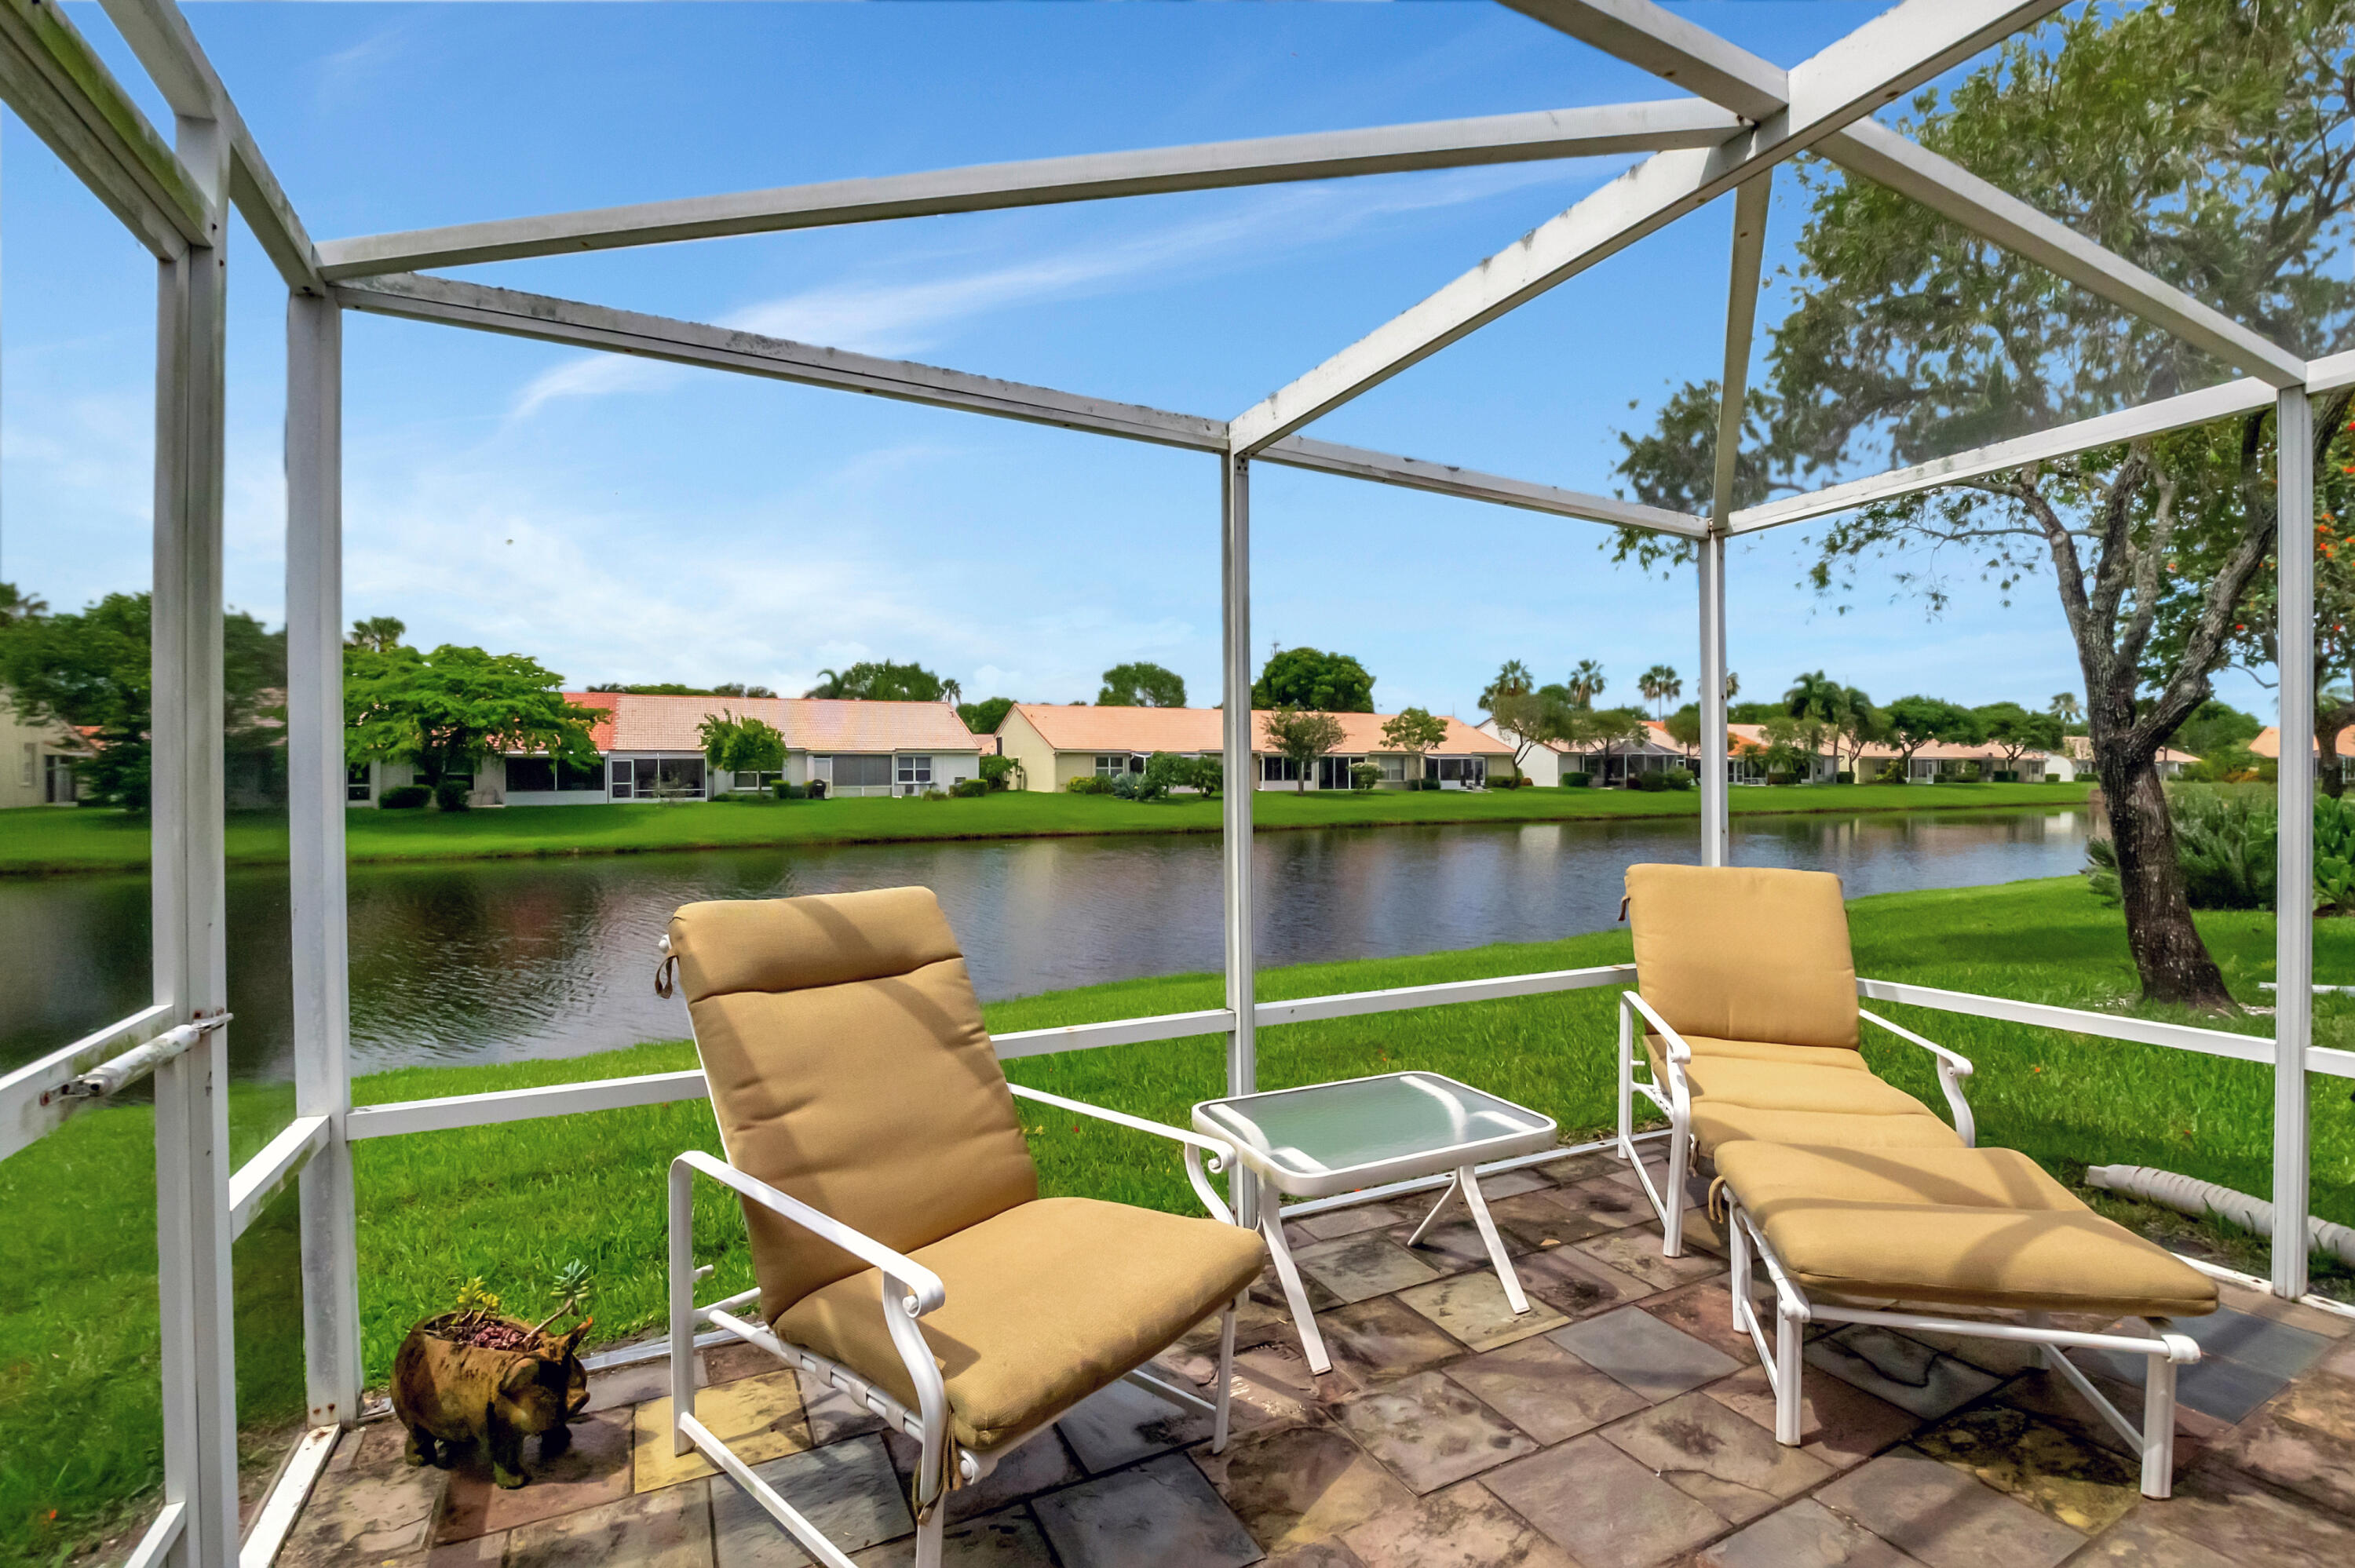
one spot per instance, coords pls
(637, 721)
(1092, 728)
(2268, 742)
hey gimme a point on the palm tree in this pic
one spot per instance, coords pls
(1816, 695)
(951, 692)
(1732, 685)
(1513, 680)
(2065, 707)
(1586, 683)
(829, 684)
(1661, 685)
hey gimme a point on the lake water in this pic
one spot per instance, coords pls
(500, 960)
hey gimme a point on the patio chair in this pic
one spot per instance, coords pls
(1747, 995)
(902, 1252)
(1857, 1235)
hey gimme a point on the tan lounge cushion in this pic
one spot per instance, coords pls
(1971, 1228)
(1771, 1085)
(1745, 953)
(1704, 1045)
(1717, 1124)
(872, 1093)
(1047, 1303)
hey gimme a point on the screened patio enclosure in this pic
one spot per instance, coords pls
(1734, 119)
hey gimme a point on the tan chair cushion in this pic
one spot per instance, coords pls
(1047, 1303)
(871, 1092)
(1771, 1085)
(1971, 1228)
(1718, 1123)
(1704, 1046)
(1742, 953)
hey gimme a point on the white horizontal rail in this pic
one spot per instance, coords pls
(287, 1496)
(2077, 1020)
(521, 1105)
(161, 1537)
(278, 1162)
(1119, 1031)
(2331, 373)
(32, 1104)
(1351, 1004)
(1444, 479)
(2210, 403)
(1094, 176)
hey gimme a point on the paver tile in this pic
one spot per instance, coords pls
(1804, 1535)
(2051, 1469)
(1463, 1527)
(1704, 1310)
(477, 1551)
(1268, 1291)
(1601, 1507)
(1840, 1424)
(1639, 1350)
(668, 1529)
(1544, 1390)
(1696, 1188)
(1538, 1219)
(2005, 1358)
(595, 1468)
(1430, 1431)
(370, 1503)
(1360, 1267)
(757, 1418)
(2049, 1395)
(2325, 1404)
(1451, 1246)
(1721, 1458)
(2138, 1541)
(1575, 1285)
(1008, 1540)
(1334, 1224)
(625, 1386)
(1314, 1554)
(1638, 1255)
(2259, 1343)
(2264, 1304)
(1039, 1465)
(1299, 1485)
(1943, 1516)
(2233, 1516)
(1381, 1339)
(1123, 1423)
(2318, 1465)
(849, 1491)
(1472, 1307)
(832, 1414)
(726, 1363)
(1904, 1371)
(1611, 1203)
(1160, 1514)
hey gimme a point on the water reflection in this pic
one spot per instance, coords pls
(495, 961)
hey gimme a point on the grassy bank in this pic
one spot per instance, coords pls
(512, 1203)
(50, 841)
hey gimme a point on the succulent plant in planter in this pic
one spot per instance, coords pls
(475, 1375)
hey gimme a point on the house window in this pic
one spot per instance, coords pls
(624, 775)
(356, 782)
(862, 772)
(915, 773)
(1394, 768)
(756, 780)
(530, 774)
(667, 778)
(1279, 771)
(32, 755)
(1457, 769)
(58, 783)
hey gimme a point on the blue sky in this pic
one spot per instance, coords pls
(622, 521)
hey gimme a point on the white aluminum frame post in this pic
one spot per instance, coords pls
(2294, 916)
(1237, 799)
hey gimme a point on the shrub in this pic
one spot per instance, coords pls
(935, 795)
(1578, 780)
(1166, 771)
(1845, 776)
(1782, 780)
(1209, 774)
(2224, 841)
(404, 798)
(1426, 783)
(787, 790)
(1891, 772)
(451, 796)
(1649, 783)
(2007, 774)
(1090, 784)
(1364, 775)
(997, 772)
(1677, 779)
(1127, 786)
(969, 789)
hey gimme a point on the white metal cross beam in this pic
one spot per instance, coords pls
(1878, 62)
(1671, 48)
(1321, 156)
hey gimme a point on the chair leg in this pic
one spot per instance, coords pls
(928, 1536)
(2158, 1429)
(1672, 1199)
(1296, 1295)
(682, 1305)
(1226, 1376)
(1626, 1088)
(1469, 1185)
(1789, 1340)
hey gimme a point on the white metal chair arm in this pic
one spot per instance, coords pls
(923, 1287)
(1220, 1154)
(1677, 1050)
(1952, 1068)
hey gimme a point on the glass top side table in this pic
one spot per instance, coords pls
(1328, 1138)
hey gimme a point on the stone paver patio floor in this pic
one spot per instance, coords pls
(1621, 1423)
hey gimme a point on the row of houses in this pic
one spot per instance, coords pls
(1747, 745)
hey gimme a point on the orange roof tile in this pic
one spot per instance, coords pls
(638, 721)
(1092, 728)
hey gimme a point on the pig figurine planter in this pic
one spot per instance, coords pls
(448, 1391)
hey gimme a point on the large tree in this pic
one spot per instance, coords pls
(92, 673)
(1310, 678)
(2207, 141)
(1142, 685)
(446, 710)
(1300, 738)
(2014, 731)
(882, 681)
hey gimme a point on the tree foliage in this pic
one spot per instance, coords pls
(882, 681)
(984, 716)
(1301, 736)
(1311, 679)
(1142, 685)
(1414, 731)
(2014, 731)
(2209, 141)
(733, 745)
(1915, 722)
(446, 710)
(379, 632)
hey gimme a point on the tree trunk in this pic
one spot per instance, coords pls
(2329, 724)
(2173, 962)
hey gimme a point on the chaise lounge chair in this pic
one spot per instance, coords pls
(1856, 1236)
(1747, 992)
(902, 1250)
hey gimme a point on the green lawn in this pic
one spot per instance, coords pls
(38, 842)
(512, 1203)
